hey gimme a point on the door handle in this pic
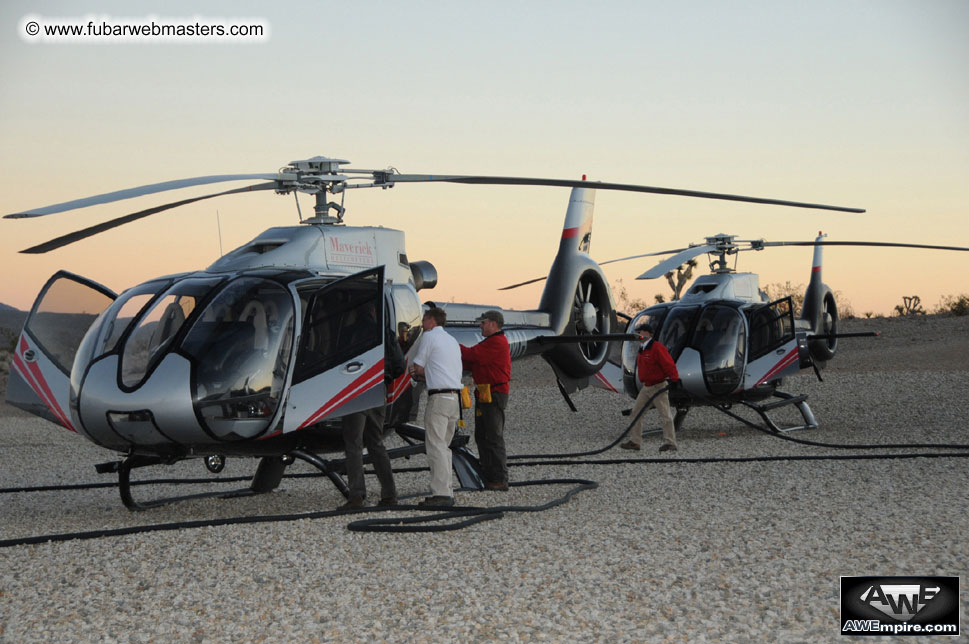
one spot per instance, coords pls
(780, 352)
(353, 367)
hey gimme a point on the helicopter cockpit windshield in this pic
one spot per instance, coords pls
(240, 346)
(721, 338)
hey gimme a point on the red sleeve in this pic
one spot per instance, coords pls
(469, 355)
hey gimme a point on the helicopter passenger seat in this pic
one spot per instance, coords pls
(254, 313)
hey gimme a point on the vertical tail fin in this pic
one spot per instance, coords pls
(577, 296)
(811, 309)
(820, 310)
(577, 231)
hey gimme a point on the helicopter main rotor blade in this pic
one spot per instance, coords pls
(531, 281)
(659, 252)
(114, 223)
(670, 263)
(599, 185)
(129, 193)
(610, 261)
(862, 243)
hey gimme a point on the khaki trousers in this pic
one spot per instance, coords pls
(440, 419)
(662, 405)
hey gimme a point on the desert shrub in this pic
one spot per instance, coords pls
(953, 305)
(8, 340)
(845, 310)
(624, 302)
(777, 290)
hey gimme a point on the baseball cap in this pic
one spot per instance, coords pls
(494, 316)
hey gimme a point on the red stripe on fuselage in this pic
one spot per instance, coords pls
(32, 375)
(784, 363)
(398, 387)
(605, 382)
(366, 381)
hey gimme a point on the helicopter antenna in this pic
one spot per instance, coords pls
(218, 223)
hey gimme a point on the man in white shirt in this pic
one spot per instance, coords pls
(438, 363)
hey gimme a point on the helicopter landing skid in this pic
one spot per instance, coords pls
(270, 470)
(123, 468)
(799, 401)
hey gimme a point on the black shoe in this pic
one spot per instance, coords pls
(496, 486)
(667, 447)
(353, 504)
(630, 445)
(437, 501)
(387, 501)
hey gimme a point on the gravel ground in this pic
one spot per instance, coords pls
(660, 552)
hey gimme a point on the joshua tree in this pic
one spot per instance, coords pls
(911, 305)
(683, 275)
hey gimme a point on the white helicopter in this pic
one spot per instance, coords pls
(261, 353)
(730, 343)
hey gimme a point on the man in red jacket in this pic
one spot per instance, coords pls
(654, 366)
(490, 365)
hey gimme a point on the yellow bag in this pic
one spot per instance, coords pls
(484, 393)
(465, 398)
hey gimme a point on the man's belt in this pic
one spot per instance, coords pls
(431, 392)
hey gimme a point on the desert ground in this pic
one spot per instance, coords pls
(676, 547)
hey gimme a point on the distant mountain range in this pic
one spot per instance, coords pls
(7, 307)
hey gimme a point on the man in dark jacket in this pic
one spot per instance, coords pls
(654, 366)
(490, 365)
(366, 428)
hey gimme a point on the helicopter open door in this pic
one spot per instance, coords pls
(773, 347)
(40, 375)
(340, 360)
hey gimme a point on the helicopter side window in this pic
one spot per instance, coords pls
(408, 313)
(721, 339)
(122, 313)
(676, 328)
(157, 327)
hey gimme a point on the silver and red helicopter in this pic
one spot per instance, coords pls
(731, 344)
(260, 354)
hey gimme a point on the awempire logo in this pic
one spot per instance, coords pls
(900, 606)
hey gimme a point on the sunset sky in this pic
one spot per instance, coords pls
(854, 103)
